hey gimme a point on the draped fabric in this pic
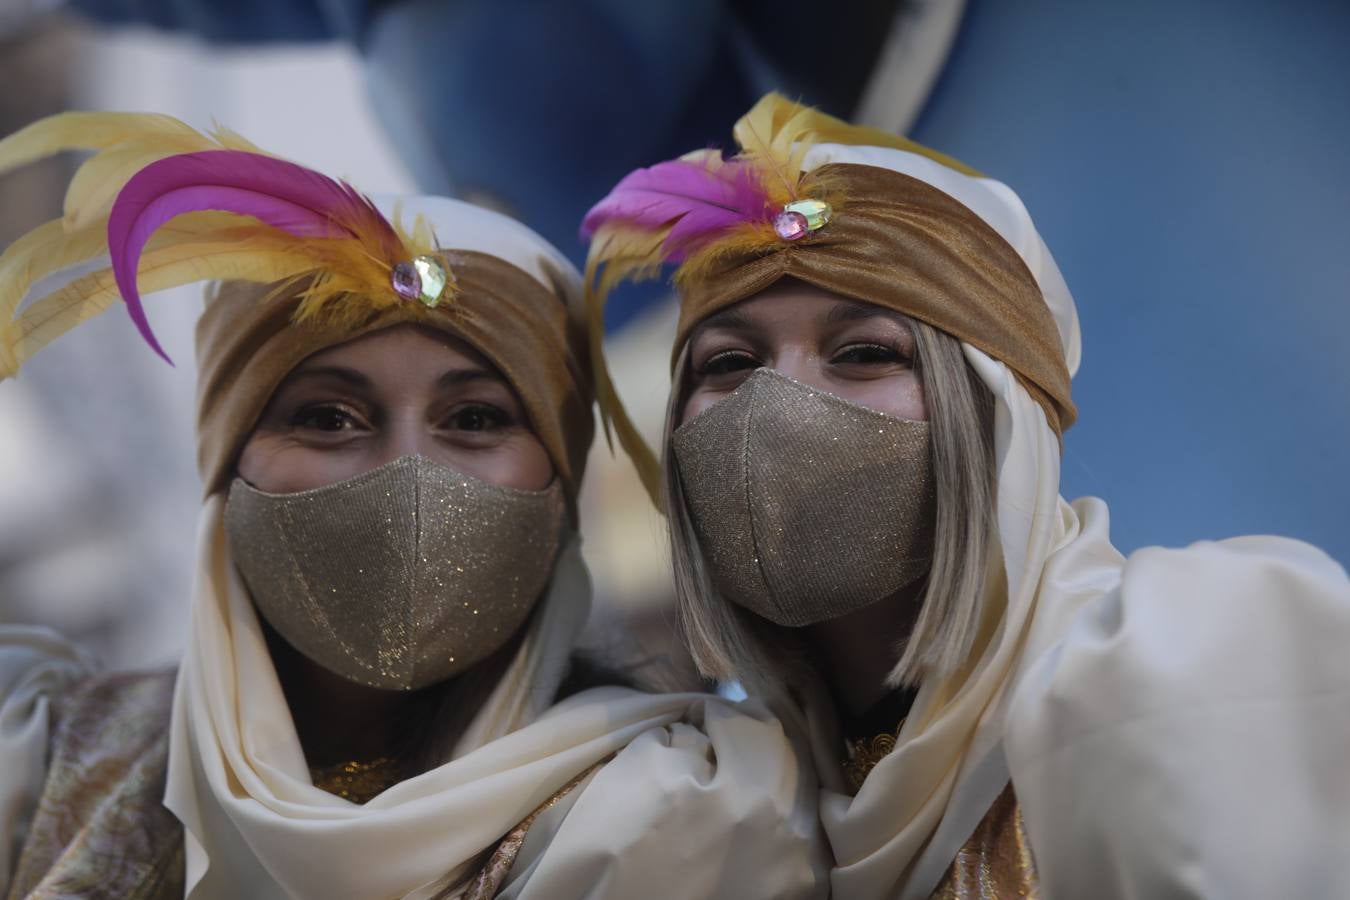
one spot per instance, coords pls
(699, 773)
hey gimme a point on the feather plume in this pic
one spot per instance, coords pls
(233, 254)
(696, 199)
(276, 222)
(775, 135)
(285, 196)
(620, 253)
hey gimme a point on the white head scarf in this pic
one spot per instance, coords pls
(899, 834)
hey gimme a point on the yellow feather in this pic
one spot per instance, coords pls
(776, 134)
(792, 128)
(618, 253)
(88, 131)
(747, 237)
(161, 268)
(39, 253)
(194, 247)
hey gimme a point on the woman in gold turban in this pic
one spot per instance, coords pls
(375, 697)
(871, 380)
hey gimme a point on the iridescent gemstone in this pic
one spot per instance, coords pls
(407, 283)
(817, 212)
(790, 225)
(433, 277)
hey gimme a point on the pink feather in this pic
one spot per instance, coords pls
(296, 200)
(698, 200)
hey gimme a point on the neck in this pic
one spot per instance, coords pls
(856, 652)
(339, 720)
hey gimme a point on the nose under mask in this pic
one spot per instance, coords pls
(400, 577)
(807, 507)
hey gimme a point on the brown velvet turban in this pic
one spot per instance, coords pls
(247, 344)
(900, 243)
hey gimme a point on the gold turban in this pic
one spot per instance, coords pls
(891, 223)
(905, 245)
(246, 345)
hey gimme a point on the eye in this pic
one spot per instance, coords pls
(477, 417)
(869, 354)
(326, 417)
(728, 361)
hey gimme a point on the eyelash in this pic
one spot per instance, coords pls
(468, 417)
(306, 417)
(721, 363)
(495, 418)
(865, 354)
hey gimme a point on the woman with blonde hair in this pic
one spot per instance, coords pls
(377, 697)
(861, 475)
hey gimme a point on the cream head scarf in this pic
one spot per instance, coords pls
(333, 266)
(880, 219)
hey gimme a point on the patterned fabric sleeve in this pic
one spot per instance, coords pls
(37, 666)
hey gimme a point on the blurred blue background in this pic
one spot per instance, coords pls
(1187, 164)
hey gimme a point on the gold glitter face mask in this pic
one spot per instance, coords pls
(400, 577)
(807, 507)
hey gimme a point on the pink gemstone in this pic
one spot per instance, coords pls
(407, 283)
(789, 225)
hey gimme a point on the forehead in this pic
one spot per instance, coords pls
(399, 353)
(398, 358)
(792, 303)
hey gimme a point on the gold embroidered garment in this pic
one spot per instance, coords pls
(996, 863)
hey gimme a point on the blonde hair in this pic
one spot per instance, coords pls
(730, 643)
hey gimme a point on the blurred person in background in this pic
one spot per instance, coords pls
(861, 472)
(380, 694)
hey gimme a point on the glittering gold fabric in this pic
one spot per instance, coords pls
(996, 863)
(100, 829)
(804, 524)
(246, 345)
(897, 242)
(863, 756)
(400, 577)
(489, 880)
(359, 782)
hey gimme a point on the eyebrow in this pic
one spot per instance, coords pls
(341, 373)
(845, 311)
(727, 318)
(356, 379)
(455, 377)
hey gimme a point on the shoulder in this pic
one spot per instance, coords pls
(1206, 693)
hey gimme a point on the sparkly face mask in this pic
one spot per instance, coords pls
(400, 577)
(807, 507)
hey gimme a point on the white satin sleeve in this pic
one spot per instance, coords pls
(716, 805)
(1190, 735)
(36, 666)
